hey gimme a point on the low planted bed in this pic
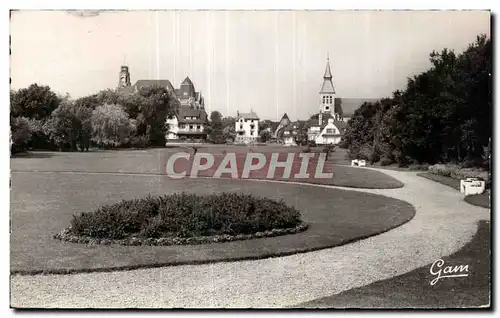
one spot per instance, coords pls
(184, 219)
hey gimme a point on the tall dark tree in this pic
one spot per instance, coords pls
(216, 128)
(443, 115)
(36, 102)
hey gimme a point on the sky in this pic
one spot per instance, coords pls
(270, 62)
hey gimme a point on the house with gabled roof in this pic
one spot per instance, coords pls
(284, 122)
(246, 127)
(189, 120)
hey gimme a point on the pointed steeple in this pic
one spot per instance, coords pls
(328, 73)
(327, 87)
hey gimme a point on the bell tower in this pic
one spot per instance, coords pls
(327, 93)
(124, 79)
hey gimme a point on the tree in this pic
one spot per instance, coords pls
(442, 115)
(215, 128)
(20, 133)
(265, 136)
(154, 105)
(61, 127)
(111, 125)
(36, 102)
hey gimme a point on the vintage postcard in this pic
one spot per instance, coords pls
(250, 159)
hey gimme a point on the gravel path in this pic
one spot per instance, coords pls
(443, 224)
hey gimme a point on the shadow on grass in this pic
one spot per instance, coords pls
(32, 155)
(482, 200)
(413, 289)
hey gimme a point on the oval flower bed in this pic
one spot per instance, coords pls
(184, 219)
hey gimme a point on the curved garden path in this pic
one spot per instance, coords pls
(442, 225)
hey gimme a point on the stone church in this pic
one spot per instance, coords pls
(333, 114)
(190, 120)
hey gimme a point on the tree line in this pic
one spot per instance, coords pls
(443, 115)
(41, 119)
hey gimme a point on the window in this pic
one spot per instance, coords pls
(241, 126)
(198, 127)
(330, 131)
(190, 127)
(331, 99)
(182, 126)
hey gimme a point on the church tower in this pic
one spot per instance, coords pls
(124, 79)
(327, 93)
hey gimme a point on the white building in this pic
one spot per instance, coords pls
(187, 123)
(329, 133)
(290, 133)
(246, 127)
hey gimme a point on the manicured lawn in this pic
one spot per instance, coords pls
(43, 203)
(152, 161)
(481, 200)
(453, 183)
(413, 289)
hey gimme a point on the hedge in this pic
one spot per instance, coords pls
(183, 216)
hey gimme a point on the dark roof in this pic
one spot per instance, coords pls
(327, 87)
(250, 115)
(145, 83)
(348, 106)
(177, 92)
(274, 125)
(328, 73)
(187, 81)
(340, 124)
(190, 112)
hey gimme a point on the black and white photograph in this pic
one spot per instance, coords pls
(250, 159)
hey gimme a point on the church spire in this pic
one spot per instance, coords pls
(327, 87)
(328, 73)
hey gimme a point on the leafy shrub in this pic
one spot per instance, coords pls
(457, 172)
(141, 141)
(385, 161)
(421, 166)
(186, 215)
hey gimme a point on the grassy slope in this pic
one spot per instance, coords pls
(413, 289)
